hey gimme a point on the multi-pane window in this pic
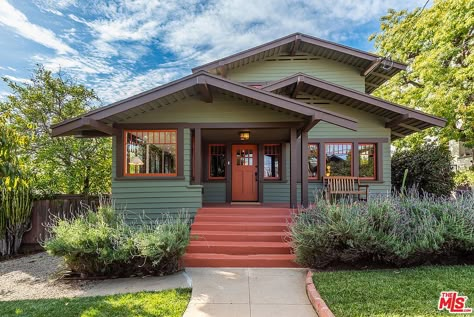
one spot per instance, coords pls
(217, 161)
(272, 161)
(367, 161)
(313, 160)
(151, 152)
(338, 159)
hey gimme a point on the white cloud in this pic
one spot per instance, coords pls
(4, 95)
(16, 20)
(17, 79)
(126, 83)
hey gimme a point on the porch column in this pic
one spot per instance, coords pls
(304, 169)
(293, 166)
(197, 156)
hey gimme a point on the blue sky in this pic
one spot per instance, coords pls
(123, 47)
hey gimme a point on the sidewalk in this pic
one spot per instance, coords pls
(248, 292)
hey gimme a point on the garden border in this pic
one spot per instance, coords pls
(315, 298)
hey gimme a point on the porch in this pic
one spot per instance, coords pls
(262, 170)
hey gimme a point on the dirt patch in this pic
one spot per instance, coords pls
(36, 276)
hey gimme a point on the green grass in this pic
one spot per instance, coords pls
(393, 293)
(171, 303)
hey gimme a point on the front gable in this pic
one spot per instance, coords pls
(275, 68)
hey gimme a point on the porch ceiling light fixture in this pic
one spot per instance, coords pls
(136, 161)
(244, 135)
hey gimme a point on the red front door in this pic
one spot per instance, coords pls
(244, 172)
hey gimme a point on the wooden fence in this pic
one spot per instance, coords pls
(60, 206)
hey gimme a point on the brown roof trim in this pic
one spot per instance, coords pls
(211, 80)
(294, 38)
(357, 95)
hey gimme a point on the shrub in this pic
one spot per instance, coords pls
(464, 179)
(102, 244)
(390, 230)
(429, 169)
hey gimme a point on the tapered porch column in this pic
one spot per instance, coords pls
(293, 168)
(304, 169)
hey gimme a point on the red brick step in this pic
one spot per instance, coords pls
(227, 260)
(243, 218)
(239, 226)
(239, 247)
(239, 236)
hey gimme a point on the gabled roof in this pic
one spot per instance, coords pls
(400, 119)
(375, 68)
(96, 122)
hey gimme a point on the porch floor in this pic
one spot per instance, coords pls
(224, 235)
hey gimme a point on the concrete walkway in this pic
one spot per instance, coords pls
(248, 292)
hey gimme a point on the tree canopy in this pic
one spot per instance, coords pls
(58, 165)
(437, 44)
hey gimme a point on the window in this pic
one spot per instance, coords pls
(151, 153)
(367, 161)
(217, 161)
(338, 159)
(313, 160)
(272, 161)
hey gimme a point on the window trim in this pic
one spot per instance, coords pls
(144, 175)
(352, 156)
(376, 162)
(209, 156)
(318, 158)
(280, 162)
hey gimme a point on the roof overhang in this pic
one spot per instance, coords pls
(97, 122)
(374, 68)
(400, 119)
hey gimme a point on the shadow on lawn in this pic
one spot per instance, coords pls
(147, 304)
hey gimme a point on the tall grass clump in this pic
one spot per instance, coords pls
(101, 244)
(396, 230)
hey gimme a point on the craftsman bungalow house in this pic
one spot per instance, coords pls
(263, 125)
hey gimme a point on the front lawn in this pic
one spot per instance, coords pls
(393, 293)
(170, 303)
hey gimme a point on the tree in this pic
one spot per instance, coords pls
(429, 169)
(59, 165)
(437, 43)
(15, 193)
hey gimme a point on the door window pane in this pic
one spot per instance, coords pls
(244, 157)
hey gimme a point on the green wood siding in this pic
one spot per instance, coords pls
(152, 199)
(214, 192)
(222, 109)
(271, 70)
